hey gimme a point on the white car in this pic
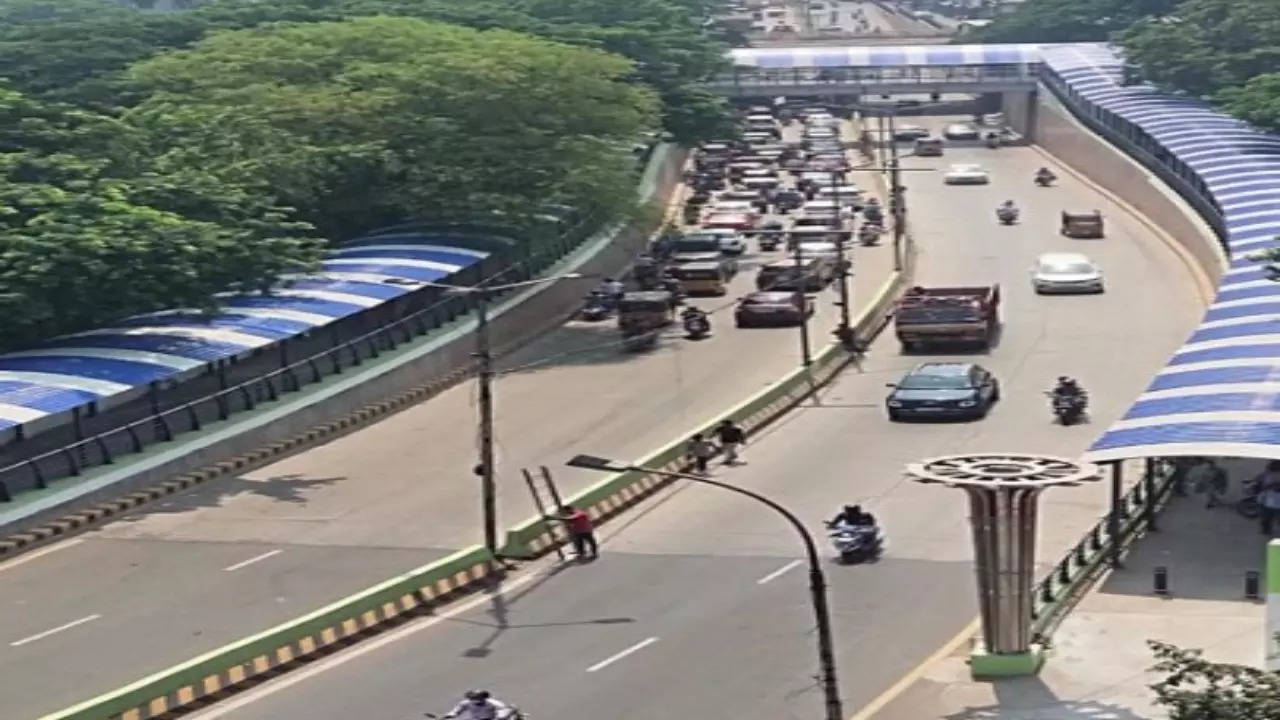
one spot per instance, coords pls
(731, 241)
(816, 132)
(842, 192)
(961, 131)
(1066, 272)
(966, 175)
(745, 207)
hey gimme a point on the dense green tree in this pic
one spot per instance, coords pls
(376, 119)
(1257, 101)
(1193, 688)
(80, 246)
(1036, 21)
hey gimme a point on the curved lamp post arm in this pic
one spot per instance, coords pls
(817, 581)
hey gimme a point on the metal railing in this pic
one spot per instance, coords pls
(105, 447)
(872, 77)
(1054, 593)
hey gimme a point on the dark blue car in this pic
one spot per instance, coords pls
(943, 390)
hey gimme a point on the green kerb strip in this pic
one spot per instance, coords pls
(1273, 566)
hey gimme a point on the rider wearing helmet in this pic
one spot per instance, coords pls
(1045, 173)
(853, 516)
(479, 705)
(1068, 387)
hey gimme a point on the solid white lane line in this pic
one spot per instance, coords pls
(252, 560)
(356, 651)
(53, 631)
(28, 557)
(779, 571)
(615, 658)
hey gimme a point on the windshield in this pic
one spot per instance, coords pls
(929, 315)
(935, 382)
(1076, 268)
(697, 244)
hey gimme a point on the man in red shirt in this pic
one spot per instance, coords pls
(581, 531)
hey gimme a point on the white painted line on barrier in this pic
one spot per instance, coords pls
(54, 631)
(28, 557)
(780, 571)
(615, 658)
(252, 560)
(356, 651)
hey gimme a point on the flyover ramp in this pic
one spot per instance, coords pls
(337, 518)
(689, 567)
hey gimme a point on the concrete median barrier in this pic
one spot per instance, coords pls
(318, 632)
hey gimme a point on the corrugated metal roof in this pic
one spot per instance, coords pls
(1220, 393)
(71, 371)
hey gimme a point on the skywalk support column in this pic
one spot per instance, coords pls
(1003, 490)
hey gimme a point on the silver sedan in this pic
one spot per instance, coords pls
(1064, 272)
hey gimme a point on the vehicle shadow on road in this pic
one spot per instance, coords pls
(500, 611)
(1030, 699)
(292, 489)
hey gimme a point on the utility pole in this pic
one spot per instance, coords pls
(802, 300)
(844, 330)
(895, 195)
(488, 490)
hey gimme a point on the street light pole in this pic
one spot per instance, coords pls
(484, 354)
(488, 488)
(802, 300)
(895, 193)
(817, 580)
(843, 330)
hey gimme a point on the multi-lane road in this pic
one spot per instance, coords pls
(698, 606)
(235, 556)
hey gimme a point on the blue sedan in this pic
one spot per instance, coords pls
(943, 390)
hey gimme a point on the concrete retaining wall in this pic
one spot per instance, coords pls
(1060, 133)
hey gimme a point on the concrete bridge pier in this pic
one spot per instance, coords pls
(1019, 109)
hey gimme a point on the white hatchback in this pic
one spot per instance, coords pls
(966, 175)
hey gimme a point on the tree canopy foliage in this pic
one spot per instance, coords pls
(1195, 689)
(1226, 51)
(353, 122)
(150, 159)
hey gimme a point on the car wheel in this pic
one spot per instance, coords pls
(895, 416)
(995, 393)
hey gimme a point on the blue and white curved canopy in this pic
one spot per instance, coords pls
(1220, 393)
(74, 370)
(883, 56)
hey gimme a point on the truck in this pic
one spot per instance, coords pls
(937, 315)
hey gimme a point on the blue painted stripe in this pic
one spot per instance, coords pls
(121, 371)
(1244, 293)
(945, 56)
(413, 273)
(1265, 327)
(1203, 403)
(1239, 311)
(381, 291)
(189, 347)
(1269, 351)
(430, 255)
(328, 308)
(1216, 376)
(1241, 433)
(264, 327)
(42, 397)
(886, 57)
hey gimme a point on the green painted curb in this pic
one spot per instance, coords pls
(215, 662)
(983, 664)
(1273, 566)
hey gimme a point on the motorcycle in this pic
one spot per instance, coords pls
(993, 141)
(855, 543)
(1068, 408)
(696, 324)
(598, 308)
(511, 713)
(869, 234)
(1045, 180)
(1007, 215)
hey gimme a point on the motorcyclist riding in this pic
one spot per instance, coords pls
(853, 516)
(479, 705)
(1045, 175)
(1068, 388)
(613, 289)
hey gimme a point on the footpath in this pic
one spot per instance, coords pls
(1099, 665)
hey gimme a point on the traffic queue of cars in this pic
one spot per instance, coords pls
(792, 196)
(930, 316)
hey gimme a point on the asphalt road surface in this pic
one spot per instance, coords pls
(698, 606)
(240, 554)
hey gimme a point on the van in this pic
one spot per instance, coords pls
(810, 275)
(929, 147)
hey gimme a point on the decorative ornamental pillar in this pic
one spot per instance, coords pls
(1003, 489)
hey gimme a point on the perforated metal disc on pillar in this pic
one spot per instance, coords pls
(1003, 489)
